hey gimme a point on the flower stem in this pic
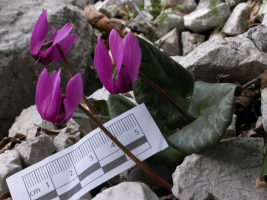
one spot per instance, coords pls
(172, 102)
(154, 176)
(91, 108)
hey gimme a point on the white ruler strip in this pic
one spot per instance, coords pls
(71, 173)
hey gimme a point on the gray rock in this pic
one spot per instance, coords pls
(164, 171)
(216, 34)
(109, 8)
(138, 22)
(166, 21)
(227, 171)
(258, 36)
(202, 4)
(187, 6)
(66, 138)
(237, 20)
(264, 108)
(262, 11)
(9, 165)
(18, 71)
(237, 56)
(170, 43)
(190, 41)
(81, 3)
(206, 18)
(36, 149)
(129, 191)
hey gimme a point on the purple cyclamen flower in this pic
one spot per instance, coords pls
(49, 102)
(48, 52)
(126, 54)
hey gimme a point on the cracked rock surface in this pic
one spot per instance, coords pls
(233, 165)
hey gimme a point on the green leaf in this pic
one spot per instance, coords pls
(83, 120)
(117, 104)
(171, 77)
(212, 105)
(168, 155)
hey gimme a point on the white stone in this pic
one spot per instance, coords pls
(24, 123)
(170, 43)
(81, 3)
(206, 3)
(109, 8)
(237, 56)
(227, 171)
(190, 41)
(66, 138)
(206, 18)
(166, 21)
(187, 5)
(102, 94)
(237, 20)
(127, 190)
(216, 34)
(136, 26)
(258, 35)
(9, 165)
(36, 149)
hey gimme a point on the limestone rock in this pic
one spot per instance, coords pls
(36, 149)
(127, 190)
(166, 21)
(258, 36)
(9, 165)
(136, 24)
(231, 130)
(66, 138)
(206, 18)
(227, 171)
(24, 123)
(237, 56)
(109, 8)
(18, 71)
(264, 108)
(190, 41)
(187, 6)
(170, 43)
(237, 20)
(207, 3)
(216, 34)
(81, 3)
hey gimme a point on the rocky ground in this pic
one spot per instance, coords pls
(219, 40)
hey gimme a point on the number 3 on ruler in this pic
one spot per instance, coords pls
(112, 144)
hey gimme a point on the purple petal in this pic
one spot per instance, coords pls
(43, 92)
(74, 94)
(39, 34)
(63, 33)
(103, 66)
(132, 56)
(54, 34)
(116, 48)
(53, 108)
(65, 45)
(46, 57)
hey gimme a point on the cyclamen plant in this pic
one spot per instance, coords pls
(200, 111)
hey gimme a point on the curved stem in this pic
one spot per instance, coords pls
(172, 102)
(91, 108)
(154, 176)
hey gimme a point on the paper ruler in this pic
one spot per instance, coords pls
(71, 173)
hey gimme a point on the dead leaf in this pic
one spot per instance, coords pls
(53, 132)
(5, 195)
(247, 97)
(260, 184)
(101, 21)
(264, 81)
